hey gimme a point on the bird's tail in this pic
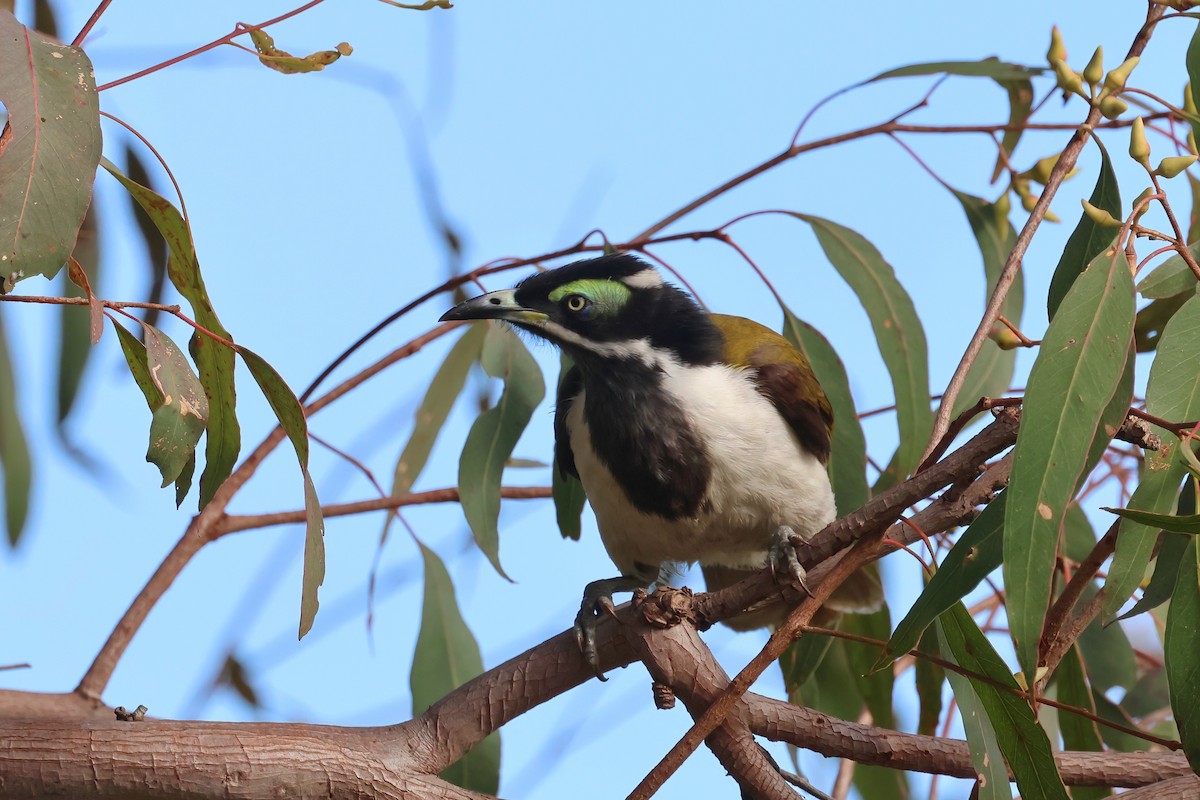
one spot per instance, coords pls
(861, 593)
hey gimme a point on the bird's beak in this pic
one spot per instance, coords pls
(494, 305)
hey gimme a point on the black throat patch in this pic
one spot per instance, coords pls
(645, 439)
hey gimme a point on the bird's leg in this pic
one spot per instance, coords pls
(597, 597)
(784, 563)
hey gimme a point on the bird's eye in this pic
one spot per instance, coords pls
(576, 302)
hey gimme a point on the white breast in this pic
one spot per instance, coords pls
(762, 478)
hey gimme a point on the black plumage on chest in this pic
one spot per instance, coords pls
(644, 438)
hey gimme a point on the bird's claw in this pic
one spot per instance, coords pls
(597, 599)
(785, 565)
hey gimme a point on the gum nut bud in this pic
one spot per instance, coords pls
(1139, 148)
(344, 48)
(1003, 337)
(1191, 141)
(1028, 201)
(1068, 79)
(1114, 81)
(1058, 50)
(1171, 166)
(1099, 215)
(1140, 206)
(1003, 205)
(1094, 70)
(1113, 107)
(1040, 171)
(1189, 101)
(1050, 216)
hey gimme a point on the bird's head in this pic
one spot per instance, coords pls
(611, 307)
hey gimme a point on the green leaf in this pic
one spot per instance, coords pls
(986, 68)
(848, 454)
(494, 435)
(1079, 733)
(992, 372)
(977, 552)
(1089, 239)
(444, 389)
(214, 360)
(1181, 654)
(1173, 390)
(1020, 104)
(446, 657)
(1171, 277)
(1166, 566)
(75, 342)
(290, 414)
(1151, 320)
(1078, 535)
(930, 677)
(875, 685)
(987, 759)
(14, 450)
(1107, 654)
(567, 490)
(831, 688)
(1166, 522)
(1192, 60)
(1156, 492)
(181, 417)
(800, 660)
(898, 332)
(881, 783)
(1080, 365)
(1022, 740)
(51, 147)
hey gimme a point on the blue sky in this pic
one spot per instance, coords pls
(539, 122)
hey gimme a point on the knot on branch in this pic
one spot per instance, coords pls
(664, 696)
(666, 607)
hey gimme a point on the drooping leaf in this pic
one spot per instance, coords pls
(986, 68)
(78, 332)
(235, 675)
(1166, 565)
(1080, 366)
(930, 677)
(898, 331)
(1171, 277)
(801, 659)
(1192, 60)
(875, 685)
(15, 460)
(1078, 535)
(1089, 239)
(977, 552)
(1022, 740)
(992, 782)
(48, 150)
(1079, 733)
(1156, 492)
(494, 435)
(1153, 319)
(156, 246)
(1020, 104)
(1107, 654)
(180, 419)
(290, 414)
(831, 688)
(444, 389)
(993, 368)
(283, 61)
(214, 360)
(446, 657)
(848, 453)
(567, 490)
(881, 783)
(1172, 393)
(1182, 656)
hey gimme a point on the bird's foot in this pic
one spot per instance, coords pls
(785, 565)
(597, 598)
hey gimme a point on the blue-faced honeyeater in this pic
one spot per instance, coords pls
(698, 437)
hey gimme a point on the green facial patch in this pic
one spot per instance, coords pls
(608, 296)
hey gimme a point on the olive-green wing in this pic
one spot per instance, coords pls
(783, 375)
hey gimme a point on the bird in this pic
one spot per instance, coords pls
(698, 437)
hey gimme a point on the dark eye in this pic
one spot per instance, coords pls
(576, 302)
